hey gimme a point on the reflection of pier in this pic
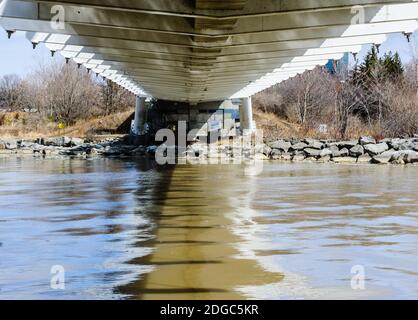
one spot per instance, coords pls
(195, 251)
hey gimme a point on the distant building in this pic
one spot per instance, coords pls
(338, 66)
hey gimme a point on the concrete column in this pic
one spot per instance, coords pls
(140, 116)
(246, 114)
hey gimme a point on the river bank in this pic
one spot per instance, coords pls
(363, 150)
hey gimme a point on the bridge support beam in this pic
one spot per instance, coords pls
(138, 126)
(246, 115)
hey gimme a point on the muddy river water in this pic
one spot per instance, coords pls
(118, 229)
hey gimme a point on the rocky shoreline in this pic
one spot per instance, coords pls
(363, 150)
(64, 147)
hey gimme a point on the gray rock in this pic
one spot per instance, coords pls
(396, 143)
(25, 151)
(384, 158)
(298, 146)
(357, 151)
(283, 157)
(263, 149)
(344, 160)
(295, 141)
(334, 149)
(57, 142)
(92, 152)
(298, 153)
(69, 152)
(411, 157)
(314, 144)
(325, 153)
(347, 144)
(405, 156)
(324, 159)
(331, 143)
(399, 161)
(309, 141)
(341, 153)
(10, 145)
(298, 157)
(366, 140)
(281, 145)
(261, 157)
(76, 142)
(398, 155)
(406, 146)
(375, 149)
(28, 144)
(277, 152)
(365, 158)
(312, 152)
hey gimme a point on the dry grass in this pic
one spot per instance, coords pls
(31, 126)
(103, 125)
(274, 127)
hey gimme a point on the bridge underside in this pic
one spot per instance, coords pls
(205, 50)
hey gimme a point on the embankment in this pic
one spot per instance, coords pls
(363, 150)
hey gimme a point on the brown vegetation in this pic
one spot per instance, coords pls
(30, 125)
(59, 93)
(274, 127)
(378, 98)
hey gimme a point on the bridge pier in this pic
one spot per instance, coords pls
(138, 125)
(246, 115)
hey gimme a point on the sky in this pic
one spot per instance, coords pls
(397, 42)
(18, 57)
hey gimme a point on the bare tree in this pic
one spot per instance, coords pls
(270, 101)
(308, 96)
(71, 94)
(114, 98)
(350, 99)
(401, 113)
(11, 93)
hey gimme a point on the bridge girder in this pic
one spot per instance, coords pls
(206, 50)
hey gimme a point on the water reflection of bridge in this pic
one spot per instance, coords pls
(197, 251)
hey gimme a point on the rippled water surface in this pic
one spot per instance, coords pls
(124, 230)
